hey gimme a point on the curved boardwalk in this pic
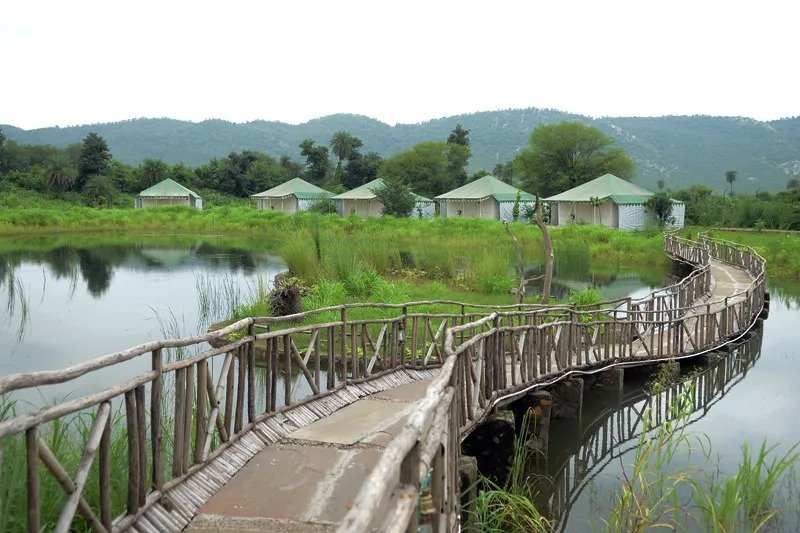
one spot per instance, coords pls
(330, 420)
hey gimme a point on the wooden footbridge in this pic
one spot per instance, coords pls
(616, 430)
(336, 420)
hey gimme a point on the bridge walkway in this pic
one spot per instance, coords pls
(307, 481)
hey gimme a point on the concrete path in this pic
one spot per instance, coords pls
(308, 480)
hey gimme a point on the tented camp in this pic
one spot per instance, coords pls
(166, 193)
(486, 197)
(291, 196)
(362, 201)
(610, 201)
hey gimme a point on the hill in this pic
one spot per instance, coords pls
(681, 150)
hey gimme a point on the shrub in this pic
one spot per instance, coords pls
(323, 206)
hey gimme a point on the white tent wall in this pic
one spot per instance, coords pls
(632, 216)
(507, 210)
(427, 209)
(679, 214)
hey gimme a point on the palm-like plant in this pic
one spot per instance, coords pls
(730, 177)
(344, 145)
(60, 175)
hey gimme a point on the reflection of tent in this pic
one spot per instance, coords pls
(168, 192)
(609, 201)
(486, 197)
(291, 196)
(363, 201)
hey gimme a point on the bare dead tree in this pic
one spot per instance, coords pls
(519, 292)
(548, 252)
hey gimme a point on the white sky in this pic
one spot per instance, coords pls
(78, 62)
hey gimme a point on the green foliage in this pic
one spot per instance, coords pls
(587, 296)
(94, 158)
(323, 206)
(515, 208)
(426, 168)
(152, 171)
(317, 163)
(345, 146)
(730, 177)
(562, 156)
(659, 205)
(361, 169)
(60, 175)
(100, 191)
(397, 198)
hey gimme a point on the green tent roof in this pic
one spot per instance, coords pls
(606, 186)
(487, 186)
(365, 192)
(168, 187)
(302, 189)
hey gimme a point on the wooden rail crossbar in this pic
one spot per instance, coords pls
(233, 396)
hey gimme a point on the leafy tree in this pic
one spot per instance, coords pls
(660, 185)
(397, 198)
(3, 139)
(478, 175)
(792, 184)
(515, 209)
(344, 145)
(316, 161)
(152, 171)
(567, 154)
(291, 168)
(60, 175)
(425, 168)
(265, 173)
(457, 157)
(459, 136)
(323, 206)
(730, 177)
(100, 190)
(182, 174)
(361, 169)
(504, 171)
(660, 206)
(94, 158)
(124, 177)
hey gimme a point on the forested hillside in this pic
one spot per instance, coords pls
(681, 150)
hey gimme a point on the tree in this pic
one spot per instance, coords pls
(459, 136)
(100, 190)
(291, 168)
(660, 185)
(660, 206)
(344, 146)
(564, 155)
(504, 171)
(424, 168)
(316, 161)
(458, 153)
(94, 158)
(361, 169)
(792, 184)
(730, 177)
(60, 175)
(3, 139)
(397, 198)
(152, 171)
(515, 208)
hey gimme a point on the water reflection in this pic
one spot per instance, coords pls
(67, 299)
(612, 422)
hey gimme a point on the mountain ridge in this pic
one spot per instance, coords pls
(682, 150)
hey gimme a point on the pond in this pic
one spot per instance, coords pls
(750, 396)
(68, 298)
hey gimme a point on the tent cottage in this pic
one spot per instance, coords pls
(362, 201)
(291, 196)
(166, 193)
(609, 201)
(486, 197)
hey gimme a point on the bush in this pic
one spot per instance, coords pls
(323, 206)
(100, 191)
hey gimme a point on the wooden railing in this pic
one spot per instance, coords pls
(506, 354)
(188, 409)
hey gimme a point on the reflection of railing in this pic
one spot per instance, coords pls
(222, 402)
(507, 354)
(605, 438)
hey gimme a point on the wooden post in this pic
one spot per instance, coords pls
(104, 472)
(32, 470)
(202, 400)
(251, 376)
(343, 339)
(133, 451)
(156, 433)
(141, 430)
(409, 475)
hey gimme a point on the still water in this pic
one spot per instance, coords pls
(67, 299)
(750, 396)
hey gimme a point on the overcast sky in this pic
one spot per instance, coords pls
(66, 63)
